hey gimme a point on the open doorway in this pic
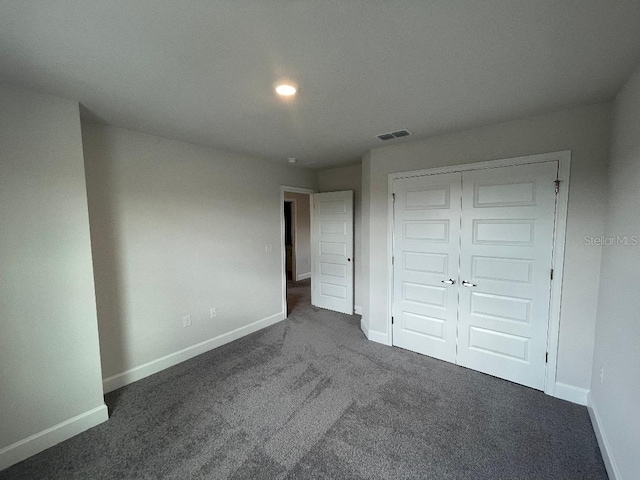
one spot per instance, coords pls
(289, 232)
(296, 247)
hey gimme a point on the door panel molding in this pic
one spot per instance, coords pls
(332, 251)
(563, 158)
(427, 232)
(503, 326)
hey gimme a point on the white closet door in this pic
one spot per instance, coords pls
(506, 256)
(332, 251)
(426, 256)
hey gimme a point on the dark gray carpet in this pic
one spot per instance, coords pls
(310, 397)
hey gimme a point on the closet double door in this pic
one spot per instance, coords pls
(472, 264)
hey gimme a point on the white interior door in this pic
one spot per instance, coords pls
(332, 251)
(508, 217)
(472, 268)
(425, 267)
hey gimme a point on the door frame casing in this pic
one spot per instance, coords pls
(560, 228)
(283, 251)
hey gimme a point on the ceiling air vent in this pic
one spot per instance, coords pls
(392, 135)
(385, 136)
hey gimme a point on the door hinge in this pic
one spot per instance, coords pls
(552, 274)
(557, 186)
(393, 260)
(393, 195)
(391, 320)
(546, 358)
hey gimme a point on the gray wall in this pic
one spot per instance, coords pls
(49, 361)
(302, 232)
(585, 131)
(349, 178)
(617, 340)
(178, 229)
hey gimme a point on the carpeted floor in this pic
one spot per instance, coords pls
(310, 397)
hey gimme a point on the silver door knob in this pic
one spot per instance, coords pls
(449, 282)
(468, 284)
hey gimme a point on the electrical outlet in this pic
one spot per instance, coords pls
(601, 374)
(186, 321)
(213, 312)
(268, 248)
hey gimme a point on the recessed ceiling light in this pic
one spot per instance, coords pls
(286, 89)
(292, 160)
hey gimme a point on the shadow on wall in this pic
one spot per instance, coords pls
(107, 257)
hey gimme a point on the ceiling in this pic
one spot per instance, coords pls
(203, 71)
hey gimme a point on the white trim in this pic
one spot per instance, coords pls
(364, 328)
(289, 189)
(303, 276)
(603, 442)
(390, 246)
(379, 337)
(283, 260)
(357, 309)
(559, 237)
(562, 201)
(374, 335)
(132, 375)
(570, 393)
(312, 246)
(51, 436)
(503, 162)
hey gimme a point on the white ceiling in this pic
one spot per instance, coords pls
(203, 71)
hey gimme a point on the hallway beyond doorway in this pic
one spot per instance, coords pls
(298, 295)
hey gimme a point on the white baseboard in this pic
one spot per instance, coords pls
(603, 442)
(303, 276)
(364, 328)
(570, 393)
(357, 309)
(51, 436)
(374, 335)
(129, 376)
